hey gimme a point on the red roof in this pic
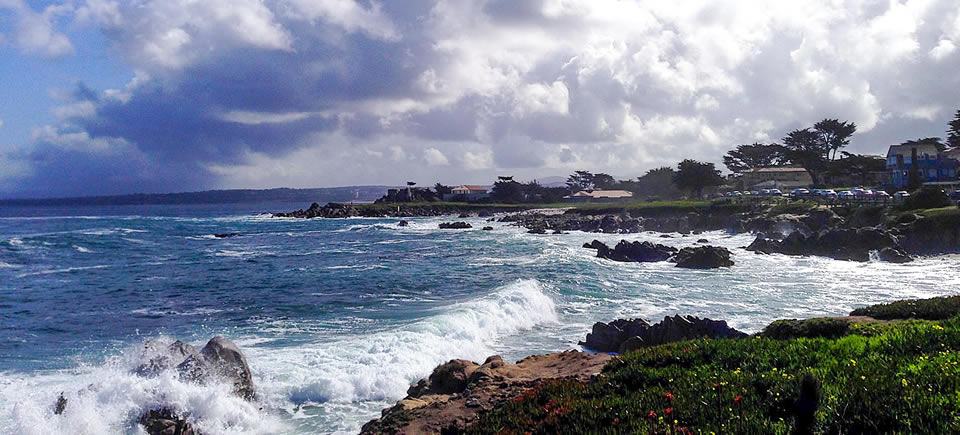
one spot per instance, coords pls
(471, 188)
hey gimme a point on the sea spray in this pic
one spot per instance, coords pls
(381, 366)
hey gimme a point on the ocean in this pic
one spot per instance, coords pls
(338, 317)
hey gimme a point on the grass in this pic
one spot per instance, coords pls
(892, 377)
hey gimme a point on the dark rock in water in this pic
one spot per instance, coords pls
(703, 257)
(666, 236)
(838, 243)
(455, 226)
(162, 359)
(60, 406)
(165, 422)
(895, 255)
(464, 215)
(596, 244)
(484, 213)
(643, 252)
(538, 230)
(623, 335)
(703, 241)
(449, 378)
(558, 231)
(225, 235)
(222, 359)
(403, 223)
(487, 228)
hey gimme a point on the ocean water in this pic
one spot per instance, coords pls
(338, 317)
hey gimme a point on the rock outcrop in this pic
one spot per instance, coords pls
(838, 243)
(455, 226)
(623, 335)
(643, 252)
(457, 391)
(703, 257)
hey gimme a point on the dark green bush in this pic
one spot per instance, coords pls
(926, 198)
(929, 309)
(809, 328)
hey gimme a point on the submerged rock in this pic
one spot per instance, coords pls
(487, 228)
(403, 223)
(703, 257)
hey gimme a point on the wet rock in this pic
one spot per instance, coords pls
(159, 360)
(165, 422)
(595, 244)
(538, 230)
(838, 243)
(895, 255)
(220, 359)
(625, 335)
(60, 406)
(455, 226)
(703, 241)
(464, 215)
(403, 223)
(703, 257)
(643, 252)
(225, 235)
(487, 228)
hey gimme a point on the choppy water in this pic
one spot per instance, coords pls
(338, 317)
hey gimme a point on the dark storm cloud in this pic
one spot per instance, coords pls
(294, 92)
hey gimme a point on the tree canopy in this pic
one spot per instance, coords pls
(694, 176)
(935, 141)
(580, 180)
(754, 156)
(604, 181)
(953, 133)
(806, 148)
(834, 135)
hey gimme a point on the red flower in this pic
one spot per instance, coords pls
(669, 411)
(652, 415)
(738, 399)
(670, 397)
(616, 421)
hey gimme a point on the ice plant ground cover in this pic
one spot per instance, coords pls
(900, 376)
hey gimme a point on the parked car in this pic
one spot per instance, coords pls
(955, 195)
(736, 193)
(881, 194)
(764, 191)
(755, 192)
(828, 193)
(845, 194)
(796, 193)
(901, 194)
(776, 192)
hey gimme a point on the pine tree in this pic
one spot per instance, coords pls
(953, 133)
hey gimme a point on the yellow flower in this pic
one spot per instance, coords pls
(903, 382)
(938, 327)
(863, 378)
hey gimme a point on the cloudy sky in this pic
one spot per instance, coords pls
(105, 96)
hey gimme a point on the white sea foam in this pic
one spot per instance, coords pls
(81, 249)
(65, 270)
(348, 377)
(381, 366)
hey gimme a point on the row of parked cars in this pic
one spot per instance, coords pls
(855, 193)
(764, 192)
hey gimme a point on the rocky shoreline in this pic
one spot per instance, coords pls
(458, 393)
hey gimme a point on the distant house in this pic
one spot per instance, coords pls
(467, 192)
(599, 196)
(930, 164)
(777, 177)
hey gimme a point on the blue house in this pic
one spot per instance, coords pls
(930, 164)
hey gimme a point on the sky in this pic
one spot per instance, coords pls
(112, 97)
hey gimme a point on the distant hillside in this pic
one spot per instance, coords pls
(235, 196)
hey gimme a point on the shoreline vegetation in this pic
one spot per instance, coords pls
(885, 368)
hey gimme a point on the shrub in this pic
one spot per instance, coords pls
(926, 198)
(929, 309)
(809, 328)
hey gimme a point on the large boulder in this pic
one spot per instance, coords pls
(642, 252)
(159, 358)
(837, 243)
(222, 360)
(449, 378)
(703, 257)
(895, 255)
(623, 335)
